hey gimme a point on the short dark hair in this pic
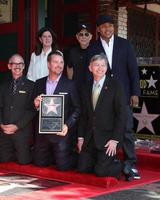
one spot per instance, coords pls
(55, 52)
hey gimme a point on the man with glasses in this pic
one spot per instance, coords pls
(16, 114)
(77, 56)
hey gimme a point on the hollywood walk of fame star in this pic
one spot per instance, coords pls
(144, 71)
(145, 119)
(51, 106)
(151, 82)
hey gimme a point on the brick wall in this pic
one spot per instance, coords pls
(122, 22)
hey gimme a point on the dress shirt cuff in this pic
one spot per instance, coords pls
(80, 138)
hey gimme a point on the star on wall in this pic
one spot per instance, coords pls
(144, 71)
(145, 119)
(151, 82)
(51, 106)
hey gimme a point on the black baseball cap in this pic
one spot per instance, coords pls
(83, 26)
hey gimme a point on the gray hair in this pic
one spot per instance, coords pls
(100, 56)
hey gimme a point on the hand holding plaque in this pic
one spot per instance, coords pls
(51, 115)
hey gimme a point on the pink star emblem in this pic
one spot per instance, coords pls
(145, 119)
(51, 107)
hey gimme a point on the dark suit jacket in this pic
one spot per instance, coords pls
(17, 109)
(107, 121)
(124, 64)
(71, 100)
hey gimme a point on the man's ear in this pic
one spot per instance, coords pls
(90, 68)
(9, 66)
(77, 36)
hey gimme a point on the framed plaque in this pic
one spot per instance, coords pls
(51, 114)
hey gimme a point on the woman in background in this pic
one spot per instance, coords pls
(46, 42)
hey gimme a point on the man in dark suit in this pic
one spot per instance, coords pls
(16, 113)
(102, 123)
(123, 67)
(57, 145)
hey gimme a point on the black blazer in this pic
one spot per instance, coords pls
(107, 121)
(71, 100)
(124, 64)
(17, 109)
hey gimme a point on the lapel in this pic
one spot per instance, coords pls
(115, 53)
(42, 85)
(21, 85)
(89, 95)
(101, 46)
(103, 91)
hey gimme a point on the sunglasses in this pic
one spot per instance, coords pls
(83, 34)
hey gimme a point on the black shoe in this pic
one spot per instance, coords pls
(135, 174)
(131, 174)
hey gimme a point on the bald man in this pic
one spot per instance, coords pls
(16, 114)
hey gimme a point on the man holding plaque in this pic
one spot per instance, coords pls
(55, 145)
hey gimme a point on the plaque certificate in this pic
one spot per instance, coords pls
(51, 114)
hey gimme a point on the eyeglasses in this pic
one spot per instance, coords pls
(83, 34)
(21, 65)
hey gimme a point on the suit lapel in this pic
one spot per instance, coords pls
(21, 84)
(44, 85)
(115, 53)
(89, 94)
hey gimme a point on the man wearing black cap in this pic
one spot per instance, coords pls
(123, 67)
(77, 56)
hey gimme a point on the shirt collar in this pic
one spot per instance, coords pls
(54, 81)
(111, 40)
(100, 82)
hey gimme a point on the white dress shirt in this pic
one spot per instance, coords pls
(108, 49)
(38, 66)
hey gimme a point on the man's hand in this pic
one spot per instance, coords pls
(80, 144)
(64, 131)
(9, 128)
(37, 101)
(111, 146)
(134, 101)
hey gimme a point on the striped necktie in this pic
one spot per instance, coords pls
(95, 94)
(14, 88)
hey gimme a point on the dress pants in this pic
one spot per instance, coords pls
(15, 147)
(92, 160)
(57, 150)
(129, 141)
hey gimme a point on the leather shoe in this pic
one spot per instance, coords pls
(131, 174)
